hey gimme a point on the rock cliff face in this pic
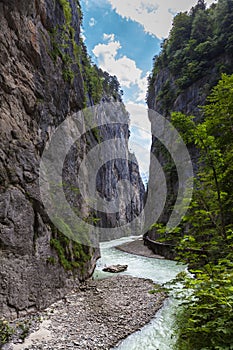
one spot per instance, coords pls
(122, 172)
(43, 81)
(187, 101)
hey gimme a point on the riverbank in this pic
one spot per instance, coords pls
(96, 316)
(137, 247)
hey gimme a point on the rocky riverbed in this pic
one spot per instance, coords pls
(96, 316)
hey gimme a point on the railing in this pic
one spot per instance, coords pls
(163, 249)
(167, 250)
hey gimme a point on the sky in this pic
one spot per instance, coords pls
(122, 37)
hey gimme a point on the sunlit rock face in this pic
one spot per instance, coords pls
(40, 88)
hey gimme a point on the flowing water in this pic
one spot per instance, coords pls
(157, 335)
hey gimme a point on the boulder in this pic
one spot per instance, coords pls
(115, 268)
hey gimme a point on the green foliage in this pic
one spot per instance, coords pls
(201, 26)
(71, 254)
(75, 59)
(158, 289)
(166, 96)
(80, 14)
(195, 42)
(206, 321)
(5, 332)
(51, 260)
(24, 329)
(68, 75)
(181, 29)
(200, 45)
(93, 82)
(96, 133)
(67, 11)
(212, 201)
(224, 24)
(62, 46)
(111, 85)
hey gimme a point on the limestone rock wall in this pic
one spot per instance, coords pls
(39, 88)
(187, 101)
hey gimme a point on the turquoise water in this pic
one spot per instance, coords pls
(157, 335)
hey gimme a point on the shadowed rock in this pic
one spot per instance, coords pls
(115, 268)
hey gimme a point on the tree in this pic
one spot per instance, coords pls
(200, 6)
(206, 319)
(201, 27)
(224, 24)
(180, 32)
(196, 45)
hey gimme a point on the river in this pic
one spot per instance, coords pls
(157, 335)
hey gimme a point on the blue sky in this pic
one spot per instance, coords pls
(120, 46)
(122, 37)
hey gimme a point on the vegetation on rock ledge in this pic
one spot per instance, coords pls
(71, 254)
(198, 46)
(72, 53)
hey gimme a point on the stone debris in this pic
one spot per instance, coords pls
(97, 316)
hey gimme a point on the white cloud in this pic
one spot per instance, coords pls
(139, 116)
(124, 68)
(82, 31)
(92, 22)
(142, 84)
(108, 37)
(154, 15)
(140, 140)
(142, 154)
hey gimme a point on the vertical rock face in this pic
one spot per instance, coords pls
(42, 82)
(122, 172)
(187, 101)
(184, 72)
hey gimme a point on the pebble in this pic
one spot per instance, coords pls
(97, 316)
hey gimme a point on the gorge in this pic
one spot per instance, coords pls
(71, 187)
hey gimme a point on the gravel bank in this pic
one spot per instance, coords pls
(97, 316)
